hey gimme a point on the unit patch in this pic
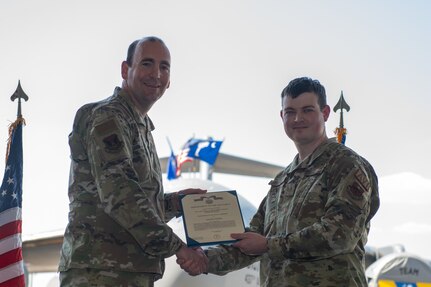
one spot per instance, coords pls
(355, 191)
(109, 133)
(112, 143)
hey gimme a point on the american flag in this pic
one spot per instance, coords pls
(11, 262)
(182, 158)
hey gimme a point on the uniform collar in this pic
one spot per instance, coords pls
(309, 160)
(124, 97)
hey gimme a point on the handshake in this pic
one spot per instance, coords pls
(194, 260)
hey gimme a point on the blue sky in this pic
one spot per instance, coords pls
(230, 61)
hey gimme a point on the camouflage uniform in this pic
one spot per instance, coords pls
(316, 217)
(105, 278)
(118, 211)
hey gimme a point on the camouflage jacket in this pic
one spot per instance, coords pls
(117, 210)
(316, 217)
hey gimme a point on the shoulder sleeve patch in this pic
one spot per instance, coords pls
(358, 189)
(110, 142)
(108, 132)
(362, 179)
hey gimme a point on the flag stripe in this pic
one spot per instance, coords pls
(14, 282)
(10, 243)
(12, 265)
(11, 271)
(10, 257)
(10, 228)
(10, 215)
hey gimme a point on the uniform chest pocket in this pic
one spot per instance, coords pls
(141, 154)
(286, 192)
(311, 196)
(272, 203)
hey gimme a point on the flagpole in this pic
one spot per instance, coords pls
(13, 271)
(341, 131)
(18, 94)
(169, 143)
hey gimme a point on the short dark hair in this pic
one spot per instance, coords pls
(303, 85)
(132, 47)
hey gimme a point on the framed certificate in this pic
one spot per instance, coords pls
(210, 218)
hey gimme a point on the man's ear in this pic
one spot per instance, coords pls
(124, 70)
(326, 111)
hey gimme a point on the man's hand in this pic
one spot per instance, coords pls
(191, 191)
(177, 200)
(250, 243)
(192, 260)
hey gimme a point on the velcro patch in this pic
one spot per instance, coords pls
(356, 191)
(112, 143)
(106, 127)
(109, 133)
(353, 188)
(362, 179)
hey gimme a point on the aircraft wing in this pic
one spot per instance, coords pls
(230, 164)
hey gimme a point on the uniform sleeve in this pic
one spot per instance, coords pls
(225, 258)
(172, 206)
(350, 194)
(123, 199)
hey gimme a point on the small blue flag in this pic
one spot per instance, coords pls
(205, 150)
(172, 167)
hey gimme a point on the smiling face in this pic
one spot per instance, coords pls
(148, 76)
(304, 120)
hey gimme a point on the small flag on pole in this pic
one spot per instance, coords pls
(205, 150)
(183, 156)
(11, 261)
(171, 170)
(172, 167)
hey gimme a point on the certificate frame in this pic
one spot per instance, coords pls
(210, 218)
